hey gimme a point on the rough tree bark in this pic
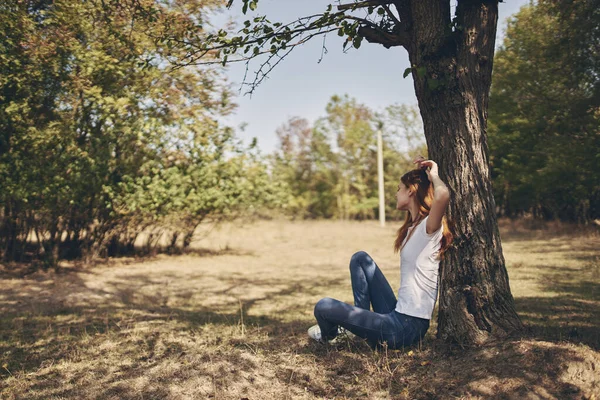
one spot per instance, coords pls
(452, 74)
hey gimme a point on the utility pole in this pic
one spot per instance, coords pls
(380, 175)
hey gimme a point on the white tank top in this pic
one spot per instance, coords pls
(419, 265)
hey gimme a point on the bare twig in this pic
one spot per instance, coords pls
(363, 4)
(323, 49)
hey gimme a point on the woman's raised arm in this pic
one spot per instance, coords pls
(441, 195)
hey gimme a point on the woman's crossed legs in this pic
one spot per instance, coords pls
(383, 324)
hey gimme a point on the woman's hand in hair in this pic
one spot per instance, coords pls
(430, 165)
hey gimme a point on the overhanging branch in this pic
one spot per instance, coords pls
(363, 4)
(387, 39)
(276, 40)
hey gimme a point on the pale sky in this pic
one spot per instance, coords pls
(300, 86)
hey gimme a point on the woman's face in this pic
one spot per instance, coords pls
(402, 197)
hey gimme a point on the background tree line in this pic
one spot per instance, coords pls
(101, 140)
(544, 113)
(330, 168)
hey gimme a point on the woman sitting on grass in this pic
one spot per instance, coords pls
(422, 241)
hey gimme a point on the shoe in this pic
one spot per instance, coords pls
(314, 332)
(344, 333)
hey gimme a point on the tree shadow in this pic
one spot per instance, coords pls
(572, 316)
(30, 265)
(163, 337)
(507, 370)
(552, 244)
(37, 325)
(566, 303)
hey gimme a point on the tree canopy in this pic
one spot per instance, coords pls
(100, 138)
(545, 112)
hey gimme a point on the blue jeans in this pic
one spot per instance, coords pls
(383, 324)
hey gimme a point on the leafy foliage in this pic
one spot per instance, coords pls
(100, 138)
(330, 169)
(270, 42)
(545, 112)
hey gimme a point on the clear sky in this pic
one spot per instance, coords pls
(301, 86)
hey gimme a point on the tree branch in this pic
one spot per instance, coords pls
(199, 52)
(363, 4)
(387, 39)
(276, 40)
(390, 14)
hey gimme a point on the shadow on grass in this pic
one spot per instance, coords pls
(512, 369)
(552, 244)
(572, 316)
(566, 303)
(17, 270)
(126, 342)
(34, 325)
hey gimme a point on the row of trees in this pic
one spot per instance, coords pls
(101, 140)
(330, 169)
(544, 114)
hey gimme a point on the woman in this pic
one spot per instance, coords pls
(422, 241)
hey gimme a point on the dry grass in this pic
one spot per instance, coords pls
(229, 321)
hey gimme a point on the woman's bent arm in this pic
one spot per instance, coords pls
(441, 196)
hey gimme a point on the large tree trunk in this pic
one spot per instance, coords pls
(452, 71)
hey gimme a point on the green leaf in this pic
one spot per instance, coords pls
(356, 41)
(406, 72)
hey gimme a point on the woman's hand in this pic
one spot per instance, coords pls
(430, 165)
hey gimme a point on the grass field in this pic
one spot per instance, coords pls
(229, 319)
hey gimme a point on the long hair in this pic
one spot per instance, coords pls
(417, 181)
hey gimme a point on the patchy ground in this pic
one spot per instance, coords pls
(229, 320)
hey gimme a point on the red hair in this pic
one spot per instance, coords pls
(418, 183)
